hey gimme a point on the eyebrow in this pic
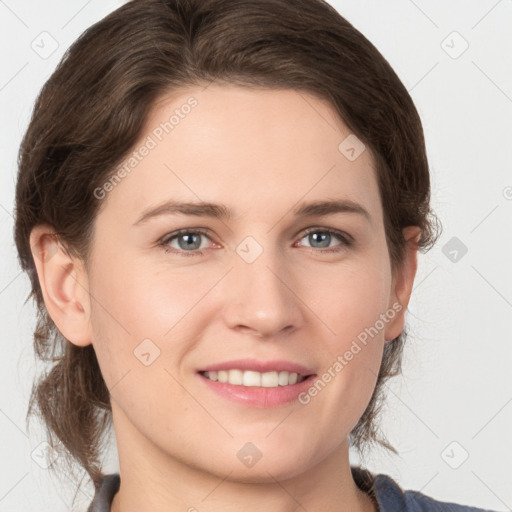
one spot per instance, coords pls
(222, 212)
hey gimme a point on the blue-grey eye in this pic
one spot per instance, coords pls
(190, 241)
(187, 240)
(322, 239)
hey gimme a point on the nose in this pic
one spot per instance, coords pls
(260, 298)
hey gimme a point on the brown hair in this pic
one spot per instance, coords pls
(91, 111)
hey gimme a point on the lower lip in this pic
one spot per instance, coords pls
(257, 396)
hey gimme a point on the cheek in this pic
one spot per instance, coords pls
(352, 301)
(130, 319)
(353, 313)
(139, 309)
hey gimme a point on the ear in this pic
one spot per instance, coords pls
(403, 280)
(64, 285)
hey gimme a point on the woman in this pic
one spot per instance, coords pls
(219, 204)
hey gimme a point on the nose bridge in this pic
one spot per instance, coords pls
(260, 298)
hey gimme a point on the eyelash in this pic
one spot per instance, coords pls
(343, 237)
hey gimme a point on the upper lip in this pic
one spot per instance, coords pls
(259, 366)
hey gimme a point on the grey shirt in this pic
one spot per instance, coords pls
(385, 492)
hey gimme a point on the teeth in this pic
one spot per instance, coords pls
(251, 378)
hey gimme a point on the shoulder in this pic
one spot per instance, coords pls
(105, 491)
(391, 497)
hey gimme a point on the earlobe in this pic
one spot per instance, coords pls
(402, 283)
(63, 284)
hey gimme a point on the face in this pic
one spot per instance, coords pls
(239, 249)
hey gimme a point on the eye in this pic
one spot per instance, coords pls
(321, 238)
(187, 242)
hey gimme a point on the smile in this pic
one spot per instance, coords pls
(249, 378)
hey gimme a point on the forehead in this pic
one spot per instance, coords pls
(256, 150)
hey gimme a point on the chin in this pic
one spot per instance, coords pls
(265, 472)
(263, 461)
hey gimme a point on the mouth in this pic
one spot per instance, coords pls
(251, 378)
(254, 383)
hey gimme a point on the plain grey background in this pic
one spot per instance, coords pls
(450, 414)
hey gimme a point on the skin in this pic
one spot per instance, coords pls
(261, 153)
